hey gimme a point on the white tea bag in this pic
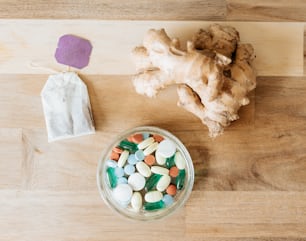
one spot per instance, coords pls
(66, 107)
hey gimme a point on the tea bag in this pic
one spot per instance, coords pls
(66, 107)
(65, 97)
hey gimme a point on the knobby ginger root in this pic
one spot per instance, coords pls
(214, 74)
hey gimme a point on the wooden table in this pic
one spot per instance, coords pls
(250, 183)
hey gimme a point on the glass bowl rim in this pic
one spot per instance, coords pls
(188, 185)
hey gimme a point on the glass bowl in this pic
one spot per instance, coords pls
(115, 187)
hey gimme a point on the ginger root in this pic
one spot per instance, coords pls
(214, 74)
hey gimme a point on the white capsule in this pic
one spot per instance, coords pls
(153, 196)
(159, 159)
(143, 169)
(137, 181)
(150, 149)
(145, 143)
(163, 183)
(166, 148)
(123, 157)
(136, 201)
(179, 161)
(123, 193)
(159, 170)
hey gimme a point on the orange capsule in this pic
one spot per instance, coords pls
(137, 138)
(149, 160)
(114, 156)
(171, 190)
(174, 171)
(158, 138)
(117, 150)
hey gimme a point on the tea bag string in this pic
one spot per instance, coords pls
(34, 65)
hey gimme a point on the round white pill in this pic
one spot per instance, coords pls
(136, 201)
(123, 193)
(163, 183)
(137, 181)
(166, 148)
(153, 196)
(143, 169)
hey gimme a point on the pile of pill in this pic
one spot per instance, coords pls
(145, 171)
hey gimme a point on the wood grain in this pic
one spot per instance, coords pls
(261, 144)
(107, 9)
(270, 154)
(112, 51)
(204, 238)
(237, 10)
(79, 215)
(266, 10)
(245, 214)
(304, 49)
(11, 149)
(75, 215)
(249, 183)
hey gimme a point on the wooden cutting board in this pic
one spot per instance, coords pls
(279, 46)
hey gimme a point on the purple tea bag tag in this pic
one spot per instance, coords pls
(73, 51)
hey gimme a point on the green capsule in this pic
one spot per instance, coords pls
(152, 181)
(130, 146)
(180, 179)
(111, 177)
(154, 206)
(170, 162)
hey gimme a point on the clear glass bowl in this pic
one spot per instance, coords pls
(179, 199)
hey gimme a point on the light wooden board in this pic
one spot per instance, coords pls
(230, 10)
(241, 159)
(245, 214)
(279, 47)
(250, 183)
(266, 10)
(75, 215)
(109, 9)
(80, 215)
